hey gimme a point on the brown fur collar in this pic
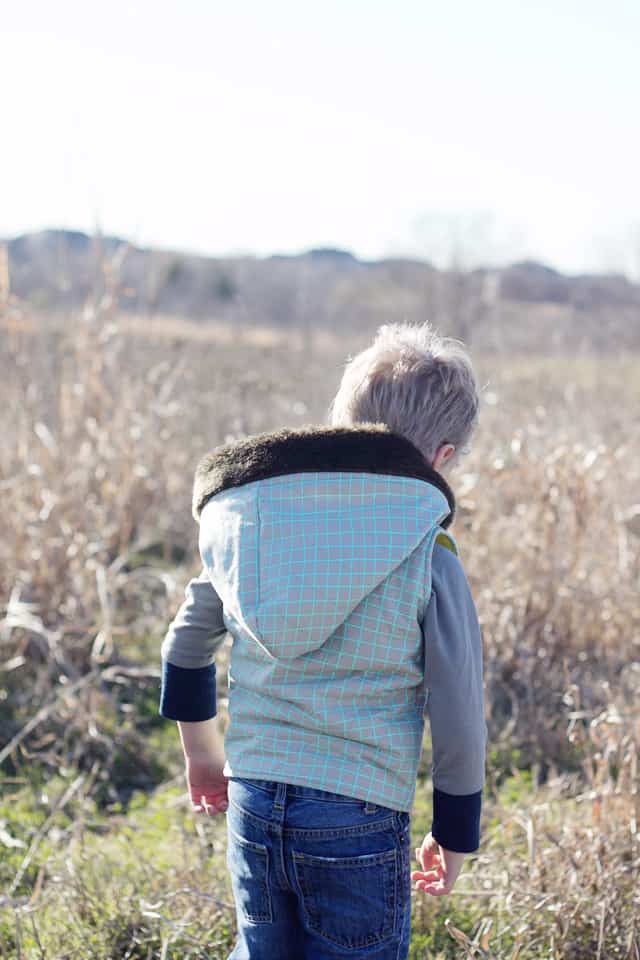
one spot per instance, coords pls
(365, 447)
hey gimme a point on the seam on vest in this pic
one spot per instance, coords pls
(447, 540)
(437, 535)
(257, 533)
(427, 588)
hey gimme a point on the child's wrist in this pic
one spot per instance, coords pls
(201, 738)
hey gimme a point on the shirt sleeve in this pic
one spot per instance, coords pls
(454, 704)
(188, 684)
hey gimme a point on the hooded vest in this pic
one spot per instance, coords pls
(318, 542)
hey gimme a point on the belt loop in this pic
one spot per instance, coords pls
(370, 807)
(280, 798)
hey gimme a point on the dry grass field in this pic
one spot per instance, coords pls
(102, 423)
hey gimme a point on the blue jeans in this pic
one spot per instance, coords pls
(315, 875)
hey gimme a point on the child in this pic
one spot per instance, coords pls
(325, 554)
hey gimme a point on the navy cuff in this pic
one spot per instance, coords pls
(456, 820)
(187, 693)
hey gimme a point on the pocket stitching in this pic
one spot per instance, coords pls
(364, 860)
(262, 850)
(252, 844)
(389, 858)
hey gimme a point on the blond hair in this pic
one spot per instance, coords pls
(421, 385)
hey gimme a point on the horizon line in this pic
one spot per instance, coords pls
(326, 249)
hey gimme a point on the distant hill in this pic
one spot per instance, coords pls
(60, 269)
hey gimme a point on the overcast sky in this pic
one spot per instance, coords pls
(496, 129)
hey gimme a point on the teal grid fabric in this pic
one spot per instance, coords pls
(323, 579)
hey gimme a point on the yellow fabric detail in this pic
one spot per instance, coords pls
(446, 541)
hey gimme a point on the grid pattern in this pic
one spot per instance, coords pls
(324, 578)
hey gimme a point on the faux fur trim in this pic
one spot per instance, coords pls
(365, 447)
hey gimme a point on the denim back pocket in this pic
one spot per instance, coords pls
(248, 864)
(350, 901)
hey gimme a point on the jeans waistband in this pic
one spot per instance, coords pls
(299, 790)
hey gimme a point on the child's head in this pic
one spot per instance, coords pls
(419, 384)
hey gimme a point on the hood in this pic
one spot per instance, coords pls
(298, 526)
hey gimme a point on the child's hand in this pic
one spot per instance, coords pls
(207, 784)
(440, 867)
(203, 748)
